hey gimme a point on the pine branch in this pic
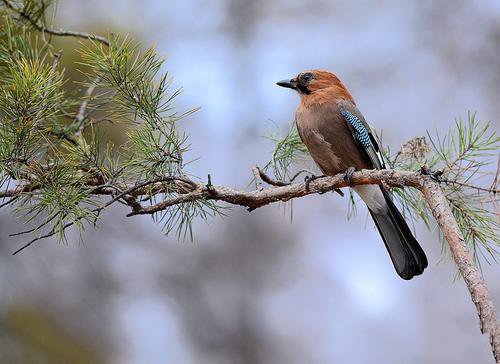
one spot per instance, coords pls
(465, 262)
(250, 199)
(189, 191)
(70, 180)
(430, 189)
(56, 32)
(80, 117)
(491, 190)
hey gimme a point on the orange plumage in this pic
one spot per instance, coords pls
(324, 87)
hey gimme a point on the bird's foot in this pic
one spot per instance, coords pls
(437, 175)
(348, 175)
(425, 170)
(309, 179)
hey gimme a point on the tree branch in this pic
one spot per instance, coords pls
(56, 32)
(182, 190)
(80, 117)
(189, 191)
(432, 193)
(472, 276)
(492, 190)
(258, 198)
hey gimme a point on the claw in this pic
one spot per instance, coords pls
(348, 175)
(309, 179)
(425, 170)
(437, 175)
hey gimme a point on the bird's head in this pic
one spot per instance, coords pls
(314, 81)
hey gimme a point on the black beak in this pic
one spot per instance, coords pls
(288, 83)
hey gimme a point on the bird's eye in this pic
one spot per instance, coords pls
(306, 77)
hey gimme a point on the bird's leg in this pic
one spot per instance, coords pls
(309, 179)
(348, 175)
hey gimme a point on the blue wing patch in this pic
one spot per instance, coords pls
(360, 132)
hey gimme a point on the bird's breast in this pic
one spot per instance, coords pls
(328, 138)
(318, 138)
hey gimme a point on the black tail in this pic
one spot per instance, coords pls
(406, 254)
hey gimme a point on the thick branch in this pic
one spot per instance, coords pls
(432, 193)
(472, 276)
(259, 198)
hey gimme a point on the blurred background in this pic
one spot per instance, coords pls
(256, 287)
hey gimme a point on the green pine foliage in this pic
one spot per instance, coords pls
(64, 172)
(288, 151)
(465, 158)
(48, 143)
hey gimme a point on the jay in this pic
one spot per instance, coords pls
(340, 140)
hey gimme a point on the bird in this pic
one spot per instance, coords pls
(340, 140)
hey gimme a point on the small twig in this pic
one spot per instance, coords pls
(209, 186)
(398, 154)
(299, 173)
(270, 181)
(478, 188)
(80, 117)
(56, 32)
(35, 228)
(126, 195)
(136, 187)
(55, 63)
(53, 231)
(188, 197)
(32, 241)
(494, 184)
(53, 70)
(273, 182)
(13, 199)
(257, 178)
(16, 192)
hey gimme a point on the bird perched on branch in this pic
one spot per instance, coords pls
(340, 140)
